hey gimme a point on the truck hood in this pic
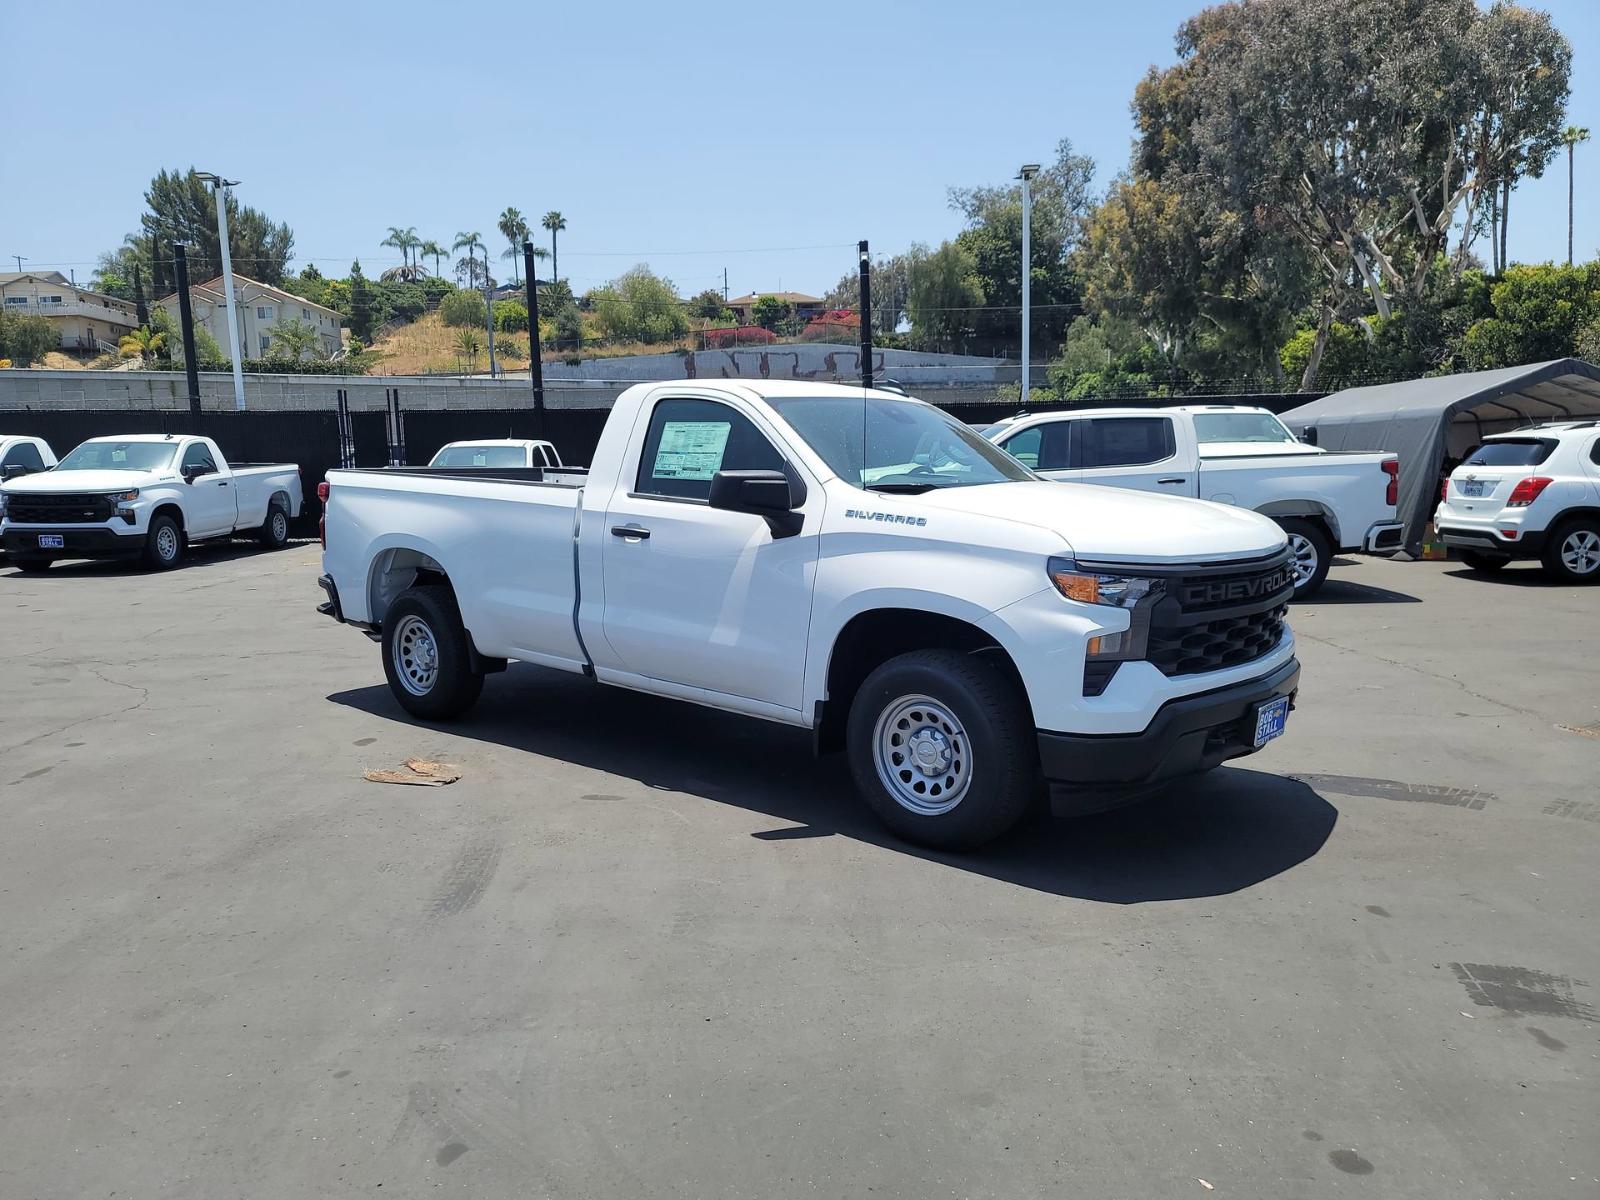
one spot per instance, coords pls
(1104, 524)
(55, 482)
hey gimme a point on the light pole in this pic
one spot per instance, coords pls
(219, 188)
(1027, 173)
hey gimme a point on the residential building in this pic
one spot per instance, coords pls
(260, 307)
(84, 320)
(805, 307)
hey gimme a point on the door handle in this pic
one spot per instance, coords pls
(1173, 480)
(630, 531)
(222, 483)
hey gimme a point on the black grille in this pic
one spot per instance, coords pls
(1217, 644)
(60, 509)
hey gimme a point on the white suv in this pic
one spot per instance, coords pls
(1534, 493)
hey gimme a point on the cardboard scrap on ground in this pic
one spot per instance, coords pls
(418, 772)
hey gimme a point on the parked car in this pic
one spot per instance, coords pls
(1324, 502)
(1533, 493)
(21, 455)
(504, 452)
(854, 563)
(144, 496)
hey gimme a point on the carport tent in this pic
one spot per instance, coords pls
(1431, 423)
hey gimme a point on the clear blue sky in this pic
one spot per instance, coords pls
(765, 138)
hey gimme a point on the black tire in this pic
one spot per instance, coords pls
(274, 531)
(31, 566)
(992, 727)
(1479, 561)
(163, 544)
(452, 687)
(1572, 551)
(1308, 538)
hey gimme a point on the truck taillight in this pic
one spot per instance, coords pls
(1526, 492)
(1444, 489)
(322, 525)
(1391, 468)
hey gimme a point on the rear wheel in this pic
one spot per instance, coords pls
(427, 656)
(31, 566)
(1313, 555)
(1572, 552)
(163, 544)
(1480, 561)
(274, 531)
(941, 747)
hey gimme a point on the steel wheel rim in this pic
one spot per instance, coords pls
(922, 755)
(280, 525)
(415, 655)
(1580, 552)
(1305, 558)
(167, 543)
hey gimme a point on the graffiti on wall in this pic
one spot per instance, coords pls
(777, 364)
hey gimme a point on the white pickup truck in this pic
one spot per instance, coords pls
(144, 496)
(851, 562)
(21, 455)
(497, 452)
(1324, 501)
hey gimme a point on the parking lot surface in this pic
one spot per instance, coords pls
(642, 949)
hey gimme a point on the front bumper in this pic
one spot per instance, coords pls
(1091, 772)
(77, 541)
(1489, 541)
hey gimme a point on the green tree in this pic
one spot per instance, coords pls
(362, 320)
(294, 341)
(510, 316)
(432, 249)
(770, 312)
(208, 354)
(181, 208)
(1572, 137)
(946, 296)
(25, 340)
(143, 343)
(514, 229)
(707, 306)
(464, 309)
(468, 346)
(406, 241)
(555, 223)
(1540, 313)
(640, 306)
(470, 243)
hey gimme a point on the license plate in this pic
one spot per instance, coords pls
(1271, 716)
(1471, 487)
(52, 541)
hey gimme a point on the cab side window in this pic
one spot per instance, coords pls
(197, 460)
(1594, 451)
(25, 455)
(1125, 441)
(1044, 447)
(689, 441)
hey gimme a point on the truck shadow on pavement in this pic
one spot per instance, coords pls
(206, 554)
(1222, 833)
(1344, 591)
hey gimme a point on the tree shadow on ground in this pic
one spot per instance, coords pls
(1210, 836)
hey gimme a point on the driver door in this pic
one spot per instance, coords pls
(209, 507)
(698, 596)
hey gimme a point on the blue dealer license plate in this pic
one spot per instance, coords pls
(1271, 717)
(52, 541)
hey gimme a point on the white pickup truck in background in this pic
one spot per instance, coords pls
(855, 563)
(501, 452)
(22, 455)
(1324, 501)
(144, 496)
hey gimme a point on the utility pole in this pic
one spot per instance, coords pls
(20, 261)
(1026, 175)
(866, 315)
(725, 285)
(191, 369)
(488, 304)
(535, 366)
(219, 187)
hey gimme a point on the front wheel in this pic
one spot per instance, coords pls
(941, 747)
(427, 656)
(1478, 561)
(1313, 555)
(1572, 552)
(163, 544)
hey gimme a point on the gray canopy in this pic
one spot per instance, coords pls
(1431, 423)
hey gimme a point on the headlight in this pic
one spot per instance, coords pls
(1134, 592)
(124, 497)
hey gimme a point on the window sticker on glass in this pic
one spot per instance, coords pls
(691, 449)
(480, 458)
(119, 455)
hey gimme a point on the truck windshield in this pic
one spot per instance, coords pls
(892, 445)
(119, 456)
(481, 456)
(1240, 427)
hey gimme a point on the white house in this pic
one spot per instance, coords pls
(84, 320)
(260, 307)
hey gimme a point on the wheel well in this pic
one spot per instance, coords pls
(168, 510)
(1569, 514)
(872, 638)
(393, 572)
(1305, 510)
(281, 499)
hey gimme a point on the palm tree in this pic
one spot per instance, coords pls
(470, 243)
(1571, 136)
(432, 249)
(514, 229)
(554, 222)
(143, 342)
(468, 345)
(400, 239)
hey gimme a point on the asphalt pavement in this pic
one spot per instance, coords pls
(641, 949)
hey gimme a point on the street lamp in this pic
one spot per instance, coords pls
(219, 188)
(1027, 174)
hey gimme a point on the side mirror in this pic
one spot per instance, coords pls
(13, 471)
(192, 472)
(768, 494)
(1309, 437)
